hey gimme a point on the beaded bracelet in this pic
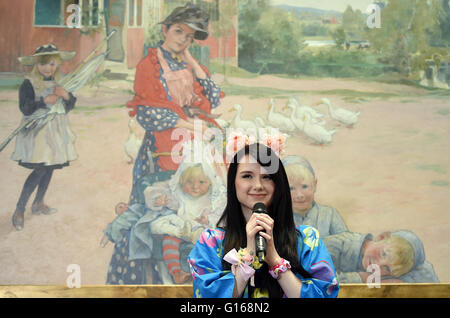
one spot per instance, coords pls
(280, 268)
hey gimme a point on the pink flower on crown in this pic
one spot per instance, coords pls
(236, 141)
(275, 141)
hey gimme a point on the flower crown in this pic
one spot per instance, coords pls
(237, 140)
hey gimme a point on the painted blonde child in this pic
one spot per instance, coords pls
(193, 210)
(197, 210)
(48, 144)
(303, 185)
(399, 256)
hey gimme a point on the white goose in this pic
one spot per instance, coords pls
(278, 120)
(133, 143)
(316, 132)
(238, 122)
(298, 122)
(344, 116)
(265, 129)
(300, 110)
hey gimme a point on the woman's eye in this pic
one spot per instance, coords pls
(292, 188)
(304, 186)
(246, 176)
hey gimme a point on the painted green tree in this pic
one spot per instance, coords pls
(270, 39)
(353, 23)
(406, 29)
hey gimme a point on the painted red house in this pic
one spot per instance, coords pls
(80, 25)
(26, 24)
(223, 39)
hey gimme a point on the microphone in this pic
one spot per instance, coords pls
(260, 242)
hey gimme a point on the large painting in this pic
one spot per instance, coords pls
(358, 89)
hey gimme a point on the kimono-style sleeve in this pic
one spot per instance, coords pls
(205, 260)
(316, 260)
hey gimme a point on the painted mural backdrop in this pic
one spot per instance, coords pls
(359, 88)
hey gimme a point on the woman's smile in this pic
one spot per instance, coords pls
(258, 195)
(253, 185)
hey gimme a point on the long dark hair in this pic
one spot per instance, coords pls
(280, 210)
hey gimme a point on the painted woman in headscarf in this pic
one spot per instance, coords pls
(170, 85)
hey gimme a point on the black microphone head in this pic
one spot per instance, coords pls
(259, 207)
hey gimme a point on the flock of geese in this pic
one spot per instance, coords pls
(303, 119)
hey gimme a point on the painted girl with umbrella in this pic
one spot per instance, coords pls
(48, 142)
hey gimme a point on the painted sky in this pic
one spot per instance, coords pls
(337, 5)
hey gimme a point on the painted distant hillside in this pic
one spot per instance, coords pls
(305, 11)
